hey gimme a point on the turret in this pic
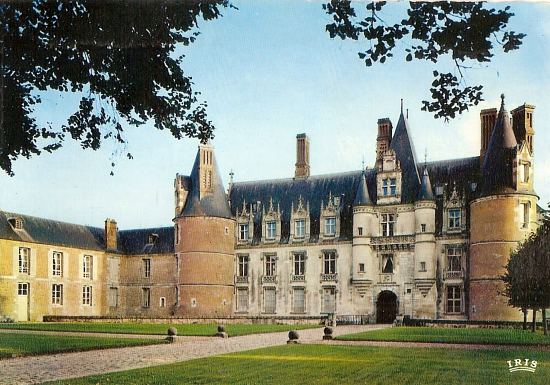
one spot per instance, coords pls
(501, 216)
(205, 248)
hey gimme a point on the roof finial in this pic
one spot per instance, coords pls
(401, 105)
(231, 174)
(502, 100)
(407, 113)
(425, 156)
(363, 163)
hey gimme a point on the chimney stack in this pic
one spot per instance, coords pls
(111, 242)
(383, 140)
(302, 156)
(488, 118)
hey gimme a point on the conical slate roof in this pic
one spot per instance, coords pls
(425, 193)
(362, 197)
(499, 158)
(213, 204)
(404, 152)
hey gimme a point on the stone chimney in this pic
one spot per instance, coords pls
(111, 234)
(488, 118)
(383, 140)
(302, 156)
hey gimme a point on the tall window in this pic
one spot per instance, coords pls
(454, 294)
(177, 233)
(270, 265)
(387, 263)
(270, 230)
(24, 260)
(393, 186)
(387, 224)
(243, 232)
(300, 228)
(270, 300)
(360, 231)
(329, 262)
(389, 186)
(242, 268)
(298, 300)
(145, 297)
(454, 258)
(87, 295)
(524, 212)
(454, 218)
(299, 264)
(57, 264)
(385, 187)
(87, 266)
(113, 296)
(57, 294)
(242, 299)
(330, 226)
(329, 300)
(146, 267)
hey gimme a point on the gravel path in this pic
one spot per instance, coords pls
(395, 344)
(37, 369)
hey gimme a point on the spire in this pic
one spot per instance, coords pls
(498, 162)
(425, 193)
(405, 154)
(206, 196)
(362, 196)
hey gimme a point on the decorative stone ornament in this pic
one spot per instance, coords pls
(172, 334)
(293, 337)
(328, 333)
(221, 332)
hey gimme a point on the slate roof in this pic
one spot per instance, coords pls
(425, 193)
(362, 198)
(137, 241)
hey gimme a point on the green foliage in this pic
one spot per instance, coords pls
(119, 57)
(329, 365)
(454, 335)
(159, 329)
(31, 344)
(465, 32)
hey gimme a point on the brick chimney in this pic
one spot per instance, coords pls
(383, 139)
(302, 156)
(488, 118)
(111, 234)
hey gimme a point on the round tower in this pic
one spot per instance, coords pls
(502, 215)
(205, 243)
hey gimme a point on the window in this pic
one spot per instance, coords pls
(300, 228)
(438, 190)
(423, 227)
(385, 187)
(57, 294)
(145, 297)
(57, 264)
(525, 175)
(387, 263)
(162, 302)
(389, 186)
(298, 300)
(422, 266)
(360, 230)
(270, 265)
(299, 264)
(330, 226)
(22, 289)
(24, 260)
(454, 218)
(270, 230)
(146, 263)
(243, 232)
(87, 266)
(113, 296)
(329, 262)
(87, 295)
(454, 259)
(524, 212)
(387, 225)
(242, 268)
(453, 299)
(393, 186)
(329, 300)
(270, 300)
(177, 233)
(242, 299)
(361, 267)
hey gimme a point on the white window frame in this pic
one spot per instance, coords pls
(454, 218)
(299, 264)
(87, 295)
(57, 294)
(329, 262)
(146, 264)
(57, 264)
(88, 266)
(243, 232)
(387, 223)
(393, 186)
(454, 258)
(24, 260)
(454, 301)
(22, 288)
(242, 265)
(270, 265)
(330, 226)
(300, 228)
(270, 229)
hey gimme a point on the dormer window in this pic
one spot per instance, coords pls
(389, 186)
(271, 229)
(330, 226)
(16, 223)
(243, 232)
(454, 219)
(152, 239)
(299, 228)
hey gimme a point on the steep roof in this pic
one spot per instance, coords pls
(137, 241)
(425, 193)
(498, 162)
(213, 204)
(362, 197)
(404, 152)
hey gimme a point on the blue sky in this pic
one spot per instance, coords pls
(269, 71)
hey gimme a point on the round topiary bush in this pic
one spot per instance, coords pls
(293, 335)
(221, 329)
(172, 331)
(328, 331)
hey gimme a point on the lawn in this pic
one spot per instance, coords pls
(144, 328)
(329, 364)
(31, 344)
(454, 335)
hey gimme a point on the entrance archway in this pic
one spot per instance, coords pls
(386, 307)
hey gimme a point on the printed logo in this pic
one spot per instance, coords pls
(523, 365)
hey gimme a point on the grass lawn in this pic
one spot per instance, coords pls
(459, 335)
(31, 344)
(326, 364)
(139, 328)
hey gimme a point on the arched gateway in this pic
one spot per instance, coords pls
(386, 307)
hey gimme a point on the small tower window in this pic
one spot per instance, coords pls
(423, 266)
(361, 267)
(423, 227)
(360, 230)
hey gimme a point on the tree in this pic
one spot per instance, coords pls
(464, 32)
(120, 57)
